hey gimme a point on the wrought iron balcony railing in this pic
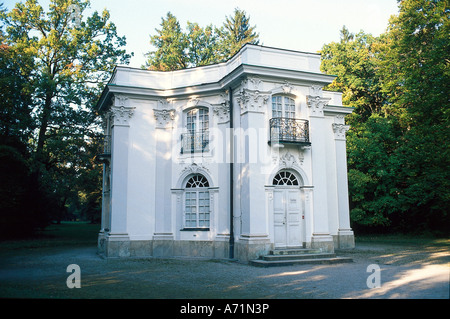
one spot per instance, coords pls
(107, 144)
(105, 157)
(289, 130)
(194, 142)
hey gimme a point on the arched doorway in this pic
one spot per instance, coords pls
(287, 210)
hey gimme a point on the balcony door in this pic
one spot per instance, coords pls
(197, 120)
(283, 106)
(197, 125)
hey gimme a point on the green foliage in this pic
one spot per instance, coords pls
(354, 61)
(398, 150)
(198, 46)
(236, 32)
(171, 44)
(56, 65)
(203, 45)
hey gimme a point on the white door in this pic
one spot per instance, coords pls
(287, 217)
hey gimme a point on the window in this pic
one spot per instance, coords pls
(197, 137)
(283, 106)
(197, 120)
(285, 178)
(197, 213)
(284, 126)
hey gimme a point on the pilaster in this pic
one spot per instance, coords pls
(321, 237)
(163, 235)
(345, 234)
(118, 240)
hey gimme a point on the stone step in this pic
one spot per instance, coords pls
(294, 251)
(298, 256)
(291, 262)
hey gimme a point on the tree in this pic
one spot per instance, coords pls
(171, 46)
(202, 45)
(355, 60)
(235, 33)
(415, 67)
(16, 123)
(372, 138)
(398, 151)
(68, 60)
(199, 46)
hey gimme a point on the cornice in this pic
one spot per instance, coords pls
(232, 79)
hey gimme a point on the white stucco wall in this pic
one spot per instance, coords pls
(149, 171)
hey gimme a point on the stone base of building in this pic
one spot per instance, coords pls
(246, 248)
(251, 247)
(346, 239)
(122, 246)
(324, 243)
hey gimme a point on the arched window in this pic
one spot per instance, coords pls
(196, 204)
(285, 178)
(197, 180)
(283, 106)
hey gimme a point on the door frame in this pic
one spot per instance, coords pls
(295, 239)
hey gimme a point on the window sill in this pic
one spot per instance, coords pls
(195, 229)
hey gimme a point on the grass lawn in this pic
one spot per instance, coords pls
(401, 239)
(57, 235)
(85, 234)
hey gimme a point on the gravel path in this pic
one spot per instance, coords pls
(406, 272)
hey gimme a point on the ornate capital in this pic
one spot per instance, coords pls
(222, 110)
(252, 100)
(316, 105)
(163, 117)
(340, 130)
(120, 112)
(121, 115)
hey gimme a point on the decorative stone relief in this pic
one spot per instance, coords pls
(193, 101)
(194, 169)
(249, 96)
(254, 83)
(164, 104)
(316, 90)
(252, 101)
(340, 119)
(316, 105)
(121, 115)
(315, 101)
(222, 110)
(288, 160)
(164, 117)
(120, 100)
(340, 130)
(287, 87)
(251, 83)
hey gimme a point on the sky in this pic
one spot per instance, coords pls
(303, 25)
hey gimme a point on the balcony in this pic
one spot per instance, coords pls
(105, 157)
(195, 142)
(289, 131)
